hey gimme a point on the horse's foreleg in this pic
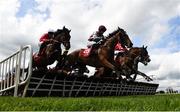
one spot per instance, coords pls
(127, 71)
(99, 72)
(107, 64)
(135, 75)
(145, 76)
(135, 68)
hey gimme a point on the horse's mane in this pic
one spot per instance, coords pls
(142, 48)
(135, 48)
(57, 32)
(115, 32)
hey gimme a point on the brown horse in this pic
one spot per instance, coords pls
(53, 50)
(102, 57)
(128, 64)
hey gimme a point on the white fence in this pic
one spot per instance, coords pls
(16, 70)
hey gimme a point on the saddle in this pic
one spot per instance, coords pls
(37, 58)
(90, 50)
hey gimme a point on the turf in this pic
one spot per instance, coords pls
(122, 103)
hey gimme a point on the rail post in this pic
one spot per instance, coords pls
(18, 73)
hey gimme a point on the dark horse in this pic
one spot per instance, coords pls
(102, 57)
(129, 64)
(53, 51)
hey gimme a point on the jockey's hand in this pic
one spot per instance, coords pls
(47, 41)
(90, 39)
(53, 41)
(105, 38)
(65, 52)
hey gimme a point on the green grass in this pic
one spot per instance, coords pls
(123, 103)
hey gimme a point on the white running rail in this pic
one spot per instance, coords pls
(16, 71)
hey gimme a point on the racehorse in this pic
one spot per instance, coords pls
(53, 51)
(102, 57)
(128, 64)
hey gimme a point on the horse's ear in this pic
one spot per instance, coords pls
(143, 46)
(69, 31)
(64, 27)
(146, 47)
(118, 28)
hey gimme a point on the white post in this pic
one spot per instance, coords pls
(17, 73)
(29, 72)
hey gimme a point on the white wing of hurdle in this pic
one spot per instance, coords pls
(16, 70)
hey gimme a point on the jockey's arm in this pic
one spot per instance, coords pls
(43, 41)
(52, 40)
(46, 40)
(91, 38)
(95, 38)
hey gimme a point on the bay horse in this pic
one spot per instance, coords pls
(102, 57)
(129, 64)
(53, 51)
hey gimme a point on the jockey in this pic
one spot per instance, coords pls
(97, 37)
(119, 49)
(45, 40)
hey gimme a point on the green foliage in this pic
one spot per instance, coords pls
(122, 103)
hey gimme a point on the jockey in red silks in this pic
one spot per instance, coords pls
(45, 40)
(120, 49)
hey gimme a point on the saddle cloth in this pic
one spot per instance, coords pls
(85, 52)
(37, 58)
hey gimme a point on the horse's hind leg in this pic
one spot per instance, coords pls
(82, 69)
(99, 72)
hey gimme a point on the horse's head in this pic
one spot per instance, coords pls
(124, 38)
(145, 56)
(120, 36)
(142, 54)
(63, 36)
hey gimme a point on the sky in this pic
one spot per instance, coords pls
(153, 23)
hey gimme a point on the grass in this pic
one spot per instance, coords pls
(122, 103)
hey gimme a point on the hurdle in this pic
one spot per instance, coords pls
(18, 79)
(60, 85)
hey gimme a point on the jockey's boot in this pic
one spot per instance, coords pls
(40, 50)
(94, 49)
(42, 46)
